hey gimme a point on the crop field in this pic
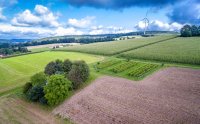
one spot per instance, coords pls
(181, 50)
(128, 69)
(116, 47)
(168, 96)
(15, 71)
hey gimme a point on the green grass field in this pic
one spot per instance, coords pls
(40, 49)
(116, 47)
(15, 71)
(180, 50)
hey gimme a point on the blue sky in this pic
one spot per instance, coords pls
(44, 18)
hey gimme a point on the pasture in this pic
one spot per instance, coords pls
(178, 50)
(15, 71)
(116, 47)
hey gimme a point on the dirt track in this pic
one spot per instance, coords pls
(169, 96)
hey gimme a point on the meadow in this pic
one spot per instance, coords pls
(15, 71)
(178, 50)
(116, 47)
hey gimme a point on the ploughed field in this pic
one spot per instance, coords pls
(15, 71)
(135, 70)
(116, 47)
(171, 95)
(181, 50)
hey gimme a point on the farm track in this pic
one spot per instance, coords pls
(171, 95)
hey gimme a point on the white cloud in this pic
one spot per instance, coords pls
(39, 9)
(67, 31)
(108, 30)
(26, 18)
(82, 23)
(11, 31)
(2, 17)
(41, 17)
(157, 25)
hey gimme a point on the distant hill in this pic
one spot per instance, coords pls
(14, 40)
(105, 35)
(83, 38)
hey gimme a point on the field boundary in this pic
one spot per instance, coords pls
(5, 57)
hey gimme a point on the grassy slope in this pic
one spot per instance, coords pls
(16, 71)
(181, 50)
(116, 47)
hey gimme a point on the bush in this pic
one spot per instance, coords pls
(79, 73)
(50, 68)
(67, 65)
(57, 89)
(26, 87)
(39, 79)
(35, 93)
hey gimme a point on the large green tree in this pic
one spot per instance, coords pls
(67, 65)
(39, 79)
(50, 68)
(57, 89)
(79, 73)
(194, 30)
(186, 31)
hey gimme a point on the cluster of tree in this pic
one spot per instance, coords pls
(57, 81)
(189, 31)
(12, 50)
(68, 40)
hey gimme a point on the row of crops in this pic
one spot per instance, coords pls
(116, 47)
(131, 69)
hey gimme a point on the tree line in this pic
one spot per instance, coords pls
(9, 49)
(68, 40)
(189, 31)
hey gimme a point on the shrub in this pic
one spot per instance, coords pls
(39, 79)
(26, 87)
(67, 65)
(35, 93)
(79, 73)
(57, 89)
(50, 68)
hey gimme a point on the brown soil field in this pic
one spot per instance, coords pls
(171, 95)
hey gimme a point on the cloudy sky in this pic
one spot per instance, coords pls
(44, 18)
